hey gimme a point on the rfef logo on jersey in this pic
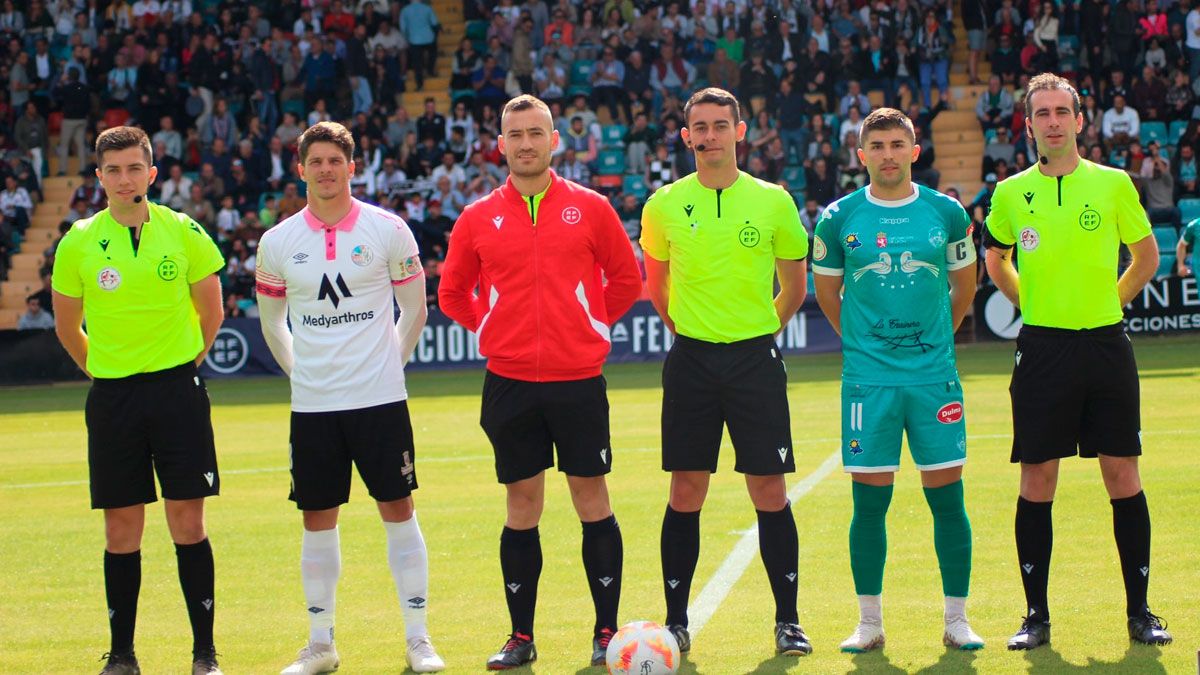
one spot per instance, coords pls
(950, 413)
(571, 215)
(852, 241)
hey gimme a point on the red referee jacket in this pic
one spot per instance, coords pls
(543, 308)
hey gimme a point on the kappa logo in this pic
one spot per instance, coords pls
(299, 258)
(604, 455)
(1028, 197)
(514, 587)
(1145, 571)
(605, 581)
(103, 244)
(950, 413)
(208, 604)
(791, 576)
(782, 453)
(498, 221)
(1028, 568)
(209, 477)
(672, 583)
(315, 610)
(416, 602)
(327, 290)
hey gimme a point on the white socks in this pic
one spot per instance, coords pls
(410, 569)
(955, 607)
(870, 609)
(320, 567)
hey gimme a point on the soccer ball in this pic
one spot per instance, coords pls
(643, 648)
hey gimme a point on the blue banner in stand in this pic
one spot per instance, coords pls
(640, 335)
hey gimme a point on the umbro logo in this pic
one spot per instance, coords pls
(1145, 571)
(1028, 197)
(498, 221)
(513, 588)
(327, 290)
(103, 244)
(688, 210)
(672, 583)
(315, 610)
(605, 581)
(604, 455)
(416, 602)
(782, 454)
(300, 258)
(209, 477)
(1028, 568)
(791, 576)
(208, 604)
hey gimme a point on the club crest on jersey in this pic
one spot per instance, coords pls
(881, 239)
(852, 241)
(571, 215)
(361, 255)
(950, 413)
(856, 447)
(108, 279)
(937, 237)
(1029, 239)
(819, 250)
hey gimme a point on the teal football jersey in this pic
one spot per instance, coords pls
(895, 258)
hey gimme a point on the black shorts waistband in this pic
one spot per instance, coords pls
(749, 343)
(182, 370)
(1100, 331)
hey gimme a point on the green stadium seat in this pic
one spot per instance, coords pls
(1068, 44)
(635, 185)
(581, 73)
(1167, 237)
(577, 89)
(610, 162)
(613, 135)
(456, 94)
(1115, 158)
(795, 177)
(1166, 264)
(1175, 132)
(294, 106)
(1153, 131)
(477, 31)
(1189, 210)
(800, 197)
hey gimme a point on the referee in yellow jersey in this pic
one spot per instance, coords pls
(714, 242)
(144, 278)
(1075, 383)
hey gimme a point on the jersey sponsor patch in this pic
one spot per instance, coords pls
(852, 241)
(1029, 239)
(109, 279)
(950, 413)
(361, 255)
(819, 250)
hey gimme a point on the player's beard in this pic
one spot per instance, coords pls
(901, 177)
(532, 170)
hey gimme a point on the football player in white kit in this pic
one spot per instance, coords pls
(334, 269)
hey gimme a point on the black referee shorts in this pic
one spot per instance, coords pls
(526, 421)
(742, 385)
(1074, 391)
(150, 423)
(378, 440)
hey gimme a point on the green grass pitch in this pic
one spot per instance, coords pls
(52, 606)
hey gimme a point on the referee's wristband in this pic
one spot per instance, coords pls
(991, 242)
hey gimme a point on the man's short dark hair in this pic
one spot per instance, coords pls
(1046, 82)
(523, 102)
(715, 96)
(120, 138)
(883, 119)
(327, 132)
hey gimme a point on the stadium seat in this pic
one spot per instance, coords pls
(800, 196)
(456, 94)
(608, 184)
(1175, 132)
(1189, 210)
(796, 180)
(294, 106)
(610, 162)
(1167, 237)
(635, 185)
(613, 135)
(1153, 131)
(115, 117)
(54, 122)
(476, 31)
(1166, 264)
(1068, 45)
(581, 72)
(1116, 159)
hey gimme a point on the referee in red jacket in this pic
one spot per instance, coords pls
(540, 250)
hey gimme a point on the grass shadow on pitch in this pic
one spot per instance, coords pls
(777, 664)
(953, 661)
(875, 662)
(1137, 659)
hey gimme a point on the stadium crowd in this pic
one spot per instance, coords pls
(226, 88)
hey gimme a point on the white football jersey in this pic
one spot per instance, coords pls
(338, 281)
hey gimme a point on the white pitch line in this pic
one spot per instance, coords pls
(739, 558)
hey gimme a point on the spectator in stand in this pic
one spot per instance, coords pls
(638, 90)
(33, 138)
(933, 44)
(670, 75)
(550, 80)
(420, 26)
(175, 188)
(75, 99)
(821, 182)
(292, 203)
(995, 106)
(35, 317)
(489, 83)
(999, 150)
(1158, 186)
(608, 75)
(1045, 36)
(1150, 92)
(854, 98)
(922, 168)
(1006, 60)
(758, 84)
(16, 204)
(1184, 168)
(1121, 124)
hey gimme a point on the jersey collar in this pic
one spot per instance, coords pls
(892, 203)
(513, 195)
(345, 224)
